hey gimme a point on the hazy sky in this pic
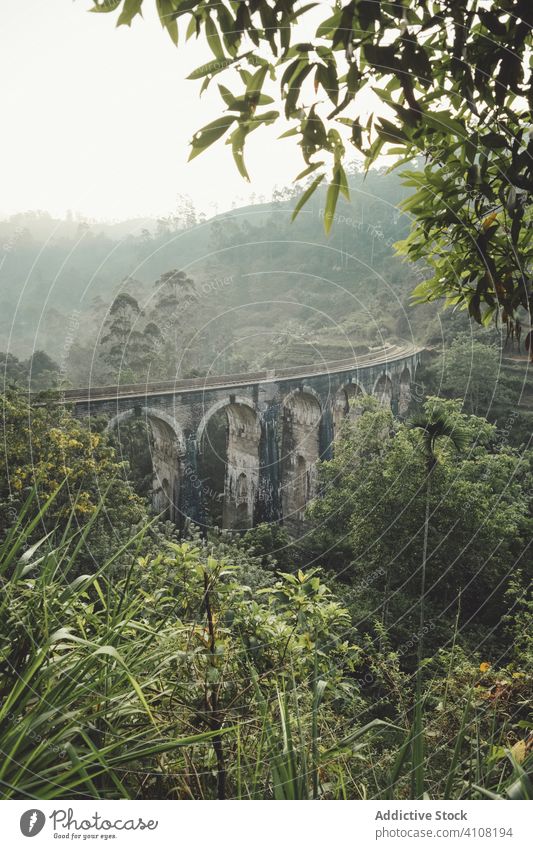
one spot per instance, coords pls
(97, 119)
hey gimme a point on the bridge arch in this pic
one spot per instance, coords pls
(383, 389)
(300, 451)
(343, 404)
(239, 456)
(167, 451)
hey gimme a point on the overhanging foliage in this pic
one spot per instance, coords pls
(453, 82)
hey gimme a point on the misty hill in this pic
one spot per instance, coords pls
(267, 291)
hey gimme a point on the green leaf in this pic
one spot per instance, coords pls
(307, 194)
(331, 201)
(368, 12)
(106, 6)
(130, 9)
(307, 171)
(291, 71)
(457, 749)
(326, 75)
(247, 104)
(228, 29)
(350, 739)
(166, 16)
(226, 95)
(494, 140)
(209, 134)
(192, 28)
(343, 182)
(256, 81)
(422, 291)
(418, 750)
(444, 122)
(265, 118)
(389, 132)
(382, 57)
(292, 132)
(237, 140)
(335, 144)
(213, 38)
(488, 316)
(111, 651)
(327, 27)
(343, 33)
(294, 89)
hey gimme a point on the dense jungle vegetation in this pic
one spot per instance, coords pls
(260, 666)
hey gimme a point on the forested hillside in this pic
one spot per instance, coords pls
(263, 290)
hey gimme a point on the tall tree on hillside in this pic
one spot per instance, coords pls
(174, 292)
(122, 338)
(13, 372)
(43, 371)
(172, 288)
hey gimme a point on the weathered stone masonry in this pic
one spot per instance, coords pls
(278, 426)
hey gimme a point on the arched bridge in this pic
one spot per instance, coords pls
(277, 424)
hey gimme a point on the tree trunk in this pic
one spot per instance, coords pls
(212, 705)
(424, 568)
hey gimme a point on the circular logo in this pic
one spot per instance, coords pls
(32, 822)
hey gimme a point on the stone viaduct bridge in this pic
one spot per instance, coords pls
(279, 423)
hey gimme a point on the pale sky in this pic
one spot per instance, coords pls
(97, 119)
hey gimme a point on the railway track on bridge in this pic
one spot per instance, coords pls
(381, 356)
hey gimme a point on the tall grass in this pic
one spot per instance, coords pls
(79, 681)
(295, 761)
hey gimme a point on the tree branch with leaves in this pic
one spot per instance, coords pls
(453, 88)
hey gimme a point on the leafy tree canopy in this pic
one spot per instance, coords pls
(38, 372)
(369, 521)
(472, 370)
(453, 82)
(50, 452)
